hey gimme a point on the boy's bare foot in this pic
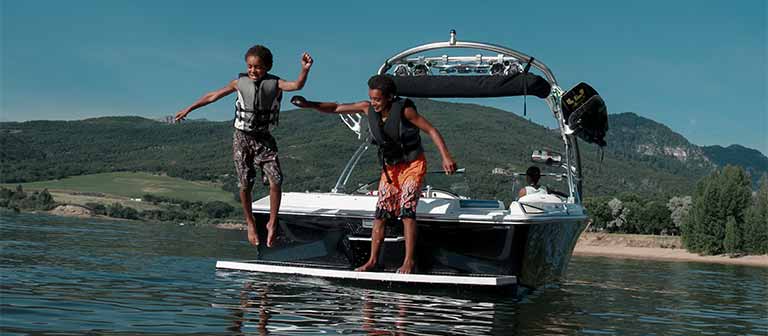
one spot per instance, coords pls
(270, 233)
(406, 268)
(253, 238)
(367, 267)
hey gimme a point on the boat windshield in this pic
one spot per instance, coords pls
(496, 183)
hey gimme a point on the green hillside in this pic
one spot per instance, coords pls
(314, 148)
(754, 162)
(640, 139)
(636, 138)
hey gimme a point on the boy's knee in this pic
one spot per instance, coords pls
(275, 182)
(246, 189)
(276, 186)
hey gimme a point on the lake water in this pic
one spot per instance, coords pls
(77, 276)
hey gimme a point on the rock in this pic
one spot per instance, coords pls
(231, 226)
(72, 210)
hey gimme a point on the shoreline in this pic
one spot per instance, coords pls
(667, 254)
(648, 247)
(590, 244)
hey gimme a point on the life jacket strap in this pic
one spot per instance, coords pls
(386, 173)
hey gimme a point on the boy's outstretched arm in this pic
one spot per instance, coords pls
(449, 166)
(306, 63)
(330, 107)
(206, 99)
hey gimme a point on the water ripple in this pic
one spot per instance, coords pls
(73, 276)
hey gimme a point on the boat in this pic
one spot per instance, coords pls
(481, 242)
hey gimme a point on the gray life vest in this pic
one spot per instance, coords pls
(257, 108)
(398, 139)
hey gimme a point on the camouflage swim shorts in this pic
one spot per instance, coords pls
(401, 197)
(255, 150)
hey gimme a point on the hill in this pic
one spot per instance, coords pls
(636, 138)
(642, 156)
(754, 162)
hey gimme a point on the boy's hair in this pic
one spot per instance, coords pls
(263, 53)
(383, 83)
(534, 173)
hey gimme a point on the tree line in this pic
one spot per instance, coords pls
(633, 214)
(169, 209)
(724, 214)
(18, 199)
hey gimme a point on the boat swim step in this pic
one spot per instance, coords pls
(348, 268)
(386, 240)
(321, 272)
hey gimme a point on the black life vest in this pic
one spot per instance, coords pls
(398, 139)
(257, 108)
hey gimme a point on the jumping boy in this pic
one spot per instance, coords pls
(257, 109)
(395, 126)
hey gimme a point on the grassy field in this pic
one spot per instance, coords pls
(122, 186)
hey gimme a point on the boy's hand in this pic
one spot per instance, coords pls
(449, 166)
(299, 101)
(306, 61)
(181, 115)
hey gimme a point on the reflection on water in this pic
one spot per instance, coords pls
(76, 276)
(316, 306)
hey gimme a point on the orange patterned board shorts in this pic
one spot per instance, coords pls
(400, 198)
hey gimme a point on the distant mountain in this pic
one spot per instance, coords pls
(752, 160)
(642, 156)
(637, 138)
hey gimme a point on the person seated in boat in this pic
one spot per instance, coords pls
(532, 187)
(394, 124)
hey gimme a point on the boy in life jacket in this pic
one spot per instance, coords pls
(395, 126)
(257, 112)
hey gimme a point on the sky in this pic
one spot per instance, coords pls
(698, 67)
